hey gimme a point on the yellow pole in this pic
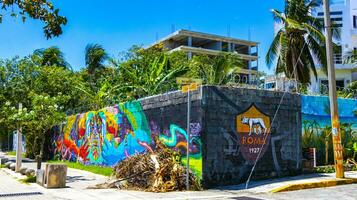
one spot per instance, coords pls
(336, 133)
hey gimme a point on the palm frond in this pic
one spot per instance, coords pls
(273, 51)
(351, 57)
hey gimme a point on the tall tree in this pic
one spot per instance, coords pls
(95, 57)
(44, 113)
(147, 72)
(52, 56)
(42, 10)
(298, 42)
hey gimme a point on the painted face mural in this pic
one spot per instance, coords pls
(253, 129)
(94, 134)
(110, 135)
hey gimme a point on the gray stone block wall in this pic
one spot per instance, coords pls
(216, 110)
(221, 147)
(223, 160)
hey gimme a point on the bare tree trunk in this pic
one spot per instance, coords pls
(40, 156)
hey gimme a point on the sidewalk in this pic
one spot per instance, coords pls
(11, 188)
(78, 181)
(266, 186)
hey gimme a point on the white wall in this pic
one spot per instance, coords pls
(341, 74)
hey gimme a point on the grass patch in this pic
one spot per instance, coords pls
(13, 153)
(105, 171)
(2, 166)
(29, 179)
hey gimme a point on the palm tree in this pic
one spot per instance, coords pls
(104, 96)
(215, 70)
(95, 57)
(141, 78)
(51, 56)
(298, 42)
(351, 57)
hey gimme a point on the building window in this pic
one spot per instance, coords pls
(331, 13)
(340, 84)
(354, 21)
(336, 19)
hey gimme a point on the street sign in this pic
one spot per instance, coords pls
(190, 87)
(187, 81)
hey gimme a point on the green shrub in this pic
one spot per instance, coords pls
(325, 169)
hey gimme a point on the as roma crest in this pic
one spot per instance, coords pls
(253, 129)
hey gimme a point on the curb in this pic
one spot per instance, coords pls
(311, 185)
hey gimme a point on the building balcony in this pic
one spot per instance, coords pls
(345, 66)
(198, 50)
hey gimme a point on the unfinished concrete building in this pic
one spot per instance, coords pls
(203, 43)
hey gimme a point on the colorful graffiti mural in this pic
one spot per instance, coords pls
(316, 125)
(177, 139)
(112, 134)
(317, 108)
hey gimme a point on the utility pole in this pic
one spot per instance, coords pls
(188, 85)
(188, 139)
(336, 134)
(19, 145)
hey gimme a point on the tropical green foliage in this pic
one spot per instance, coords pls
(51, 56)
(44, 114)
(145, 73)
(298, 41)
(48, 89)
(42, 10)
(95, 56)
(349, 92)
(351, 57)
(215, 70)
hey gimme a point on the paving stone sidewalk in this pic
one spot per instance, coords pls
(11, 189)
(78, 181)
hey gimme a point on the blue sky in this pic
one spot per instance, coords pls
(118, 25)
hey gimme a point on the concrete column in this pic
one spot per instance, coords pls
(189, 43)
(220, 44)
(229, 47)
(258, 57)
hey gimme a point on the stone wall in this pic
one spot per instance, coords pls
(229, 127)
(229, 152)
(167, 116)
(108, 136)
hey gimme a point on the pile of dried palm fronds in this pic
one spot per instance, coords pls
(159, 171)
(352, 161)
